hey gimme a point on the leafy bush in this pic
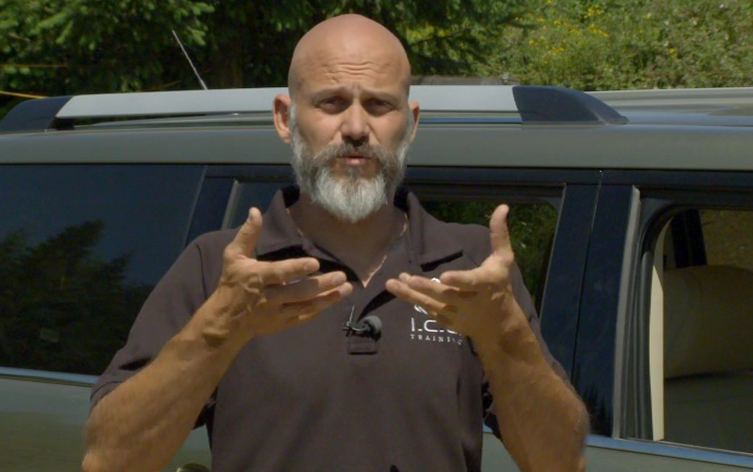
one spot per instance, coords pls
(601, 44)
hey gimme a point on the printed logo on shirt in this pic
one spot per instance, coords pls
(427, 329)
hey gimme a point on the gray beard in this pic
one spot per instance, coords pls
(355, 197)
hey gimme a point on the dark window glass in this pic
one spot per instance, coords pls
(250, 194)
(81, 246)
(211, 206)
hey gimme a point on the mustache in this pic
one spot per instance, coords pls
(370, 151)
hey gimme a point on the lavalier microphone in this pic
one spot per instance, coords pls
(369, 326)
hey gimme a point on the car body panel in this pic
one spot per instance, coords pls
(43, 418)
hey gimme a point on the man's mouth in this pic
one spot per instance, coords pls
(354, 159)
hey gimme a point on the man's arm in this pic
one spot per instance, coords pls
(542, 420)
(144, 421)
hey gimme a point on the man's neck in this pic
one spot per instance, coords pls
(362, 245)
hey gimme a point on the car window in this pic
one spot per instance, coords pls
(531, 225)
(81, 246)
(245, 195)
(701, 364)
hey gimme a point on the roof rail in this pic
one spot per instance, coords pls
(533, 104)
(718, 98)
(34, 115)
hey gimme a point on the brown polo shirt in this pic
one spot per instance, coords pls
(315, 398)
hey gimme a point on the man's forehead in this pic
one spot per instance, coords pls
(349, 47)
(344, 68)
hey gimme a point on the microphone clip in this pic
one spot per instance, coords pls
(369, 326)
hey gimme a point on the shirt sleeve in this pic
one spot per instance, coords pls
(175, 298)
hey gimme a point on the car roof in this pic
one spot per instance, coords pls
(516, 103)
(477, 126)
(701, 107)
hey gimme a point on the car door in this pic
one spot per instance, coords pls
(663, 355)
(81, 246)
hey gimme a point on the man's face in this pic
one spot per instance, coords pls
(359, 192)
(350, 129)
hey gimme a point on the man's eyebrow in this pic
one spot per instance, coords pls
(327, 92)
(386, 96)
(368, 93)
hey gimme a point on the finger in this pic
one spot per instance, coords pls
(500, 236)
(245, 240)
(305, 289)
(405, 292)
(279, 272)
(445, 313)
(473, 280)
(316, 304)
(436, 290)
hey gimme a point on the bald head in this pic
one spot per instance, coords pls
(351, 44)
(347, 115)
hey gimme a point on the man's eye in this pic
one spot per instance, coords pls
(378, 107)
(332, 103)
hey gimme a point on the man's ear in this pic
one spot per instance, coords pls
(414, 109)
(281, 116)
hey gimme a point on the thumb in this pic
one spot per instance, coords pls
(500, 236)
(244, 242)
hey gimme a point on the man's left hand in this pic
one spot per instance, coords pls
(471, 302)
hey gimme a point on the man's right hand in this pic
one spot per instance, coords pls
(255, 298)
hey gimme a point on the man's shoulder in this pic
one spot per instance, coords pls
(465, 233)
(472, 238)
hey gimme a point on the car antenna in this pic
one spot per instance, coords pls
(203, 85)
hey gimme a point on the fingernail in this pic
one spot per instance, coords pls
(252, 213)
(310, 266)
(338, 278)
(404, 277)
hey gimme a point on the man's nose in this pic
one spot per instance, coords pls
(355, 126)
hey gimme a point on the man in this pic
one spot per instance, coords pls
(244, 332)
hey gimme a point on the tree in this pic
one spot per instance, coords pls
(627, 44)
(79, 46)
(441, 37)
(62, 47)
(59, 47)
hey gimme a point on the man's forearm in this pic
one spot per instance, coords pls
(542, 421)
(143, 422)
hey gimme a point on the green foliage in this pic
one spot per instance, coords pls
(624, 44)
(58, 47)
(63, 308)
(251, 45)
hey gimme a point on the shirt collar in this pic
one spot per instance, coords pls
(429, 238)
(278, 230)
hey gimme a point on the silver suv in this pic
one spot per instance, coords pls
(632, 218)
